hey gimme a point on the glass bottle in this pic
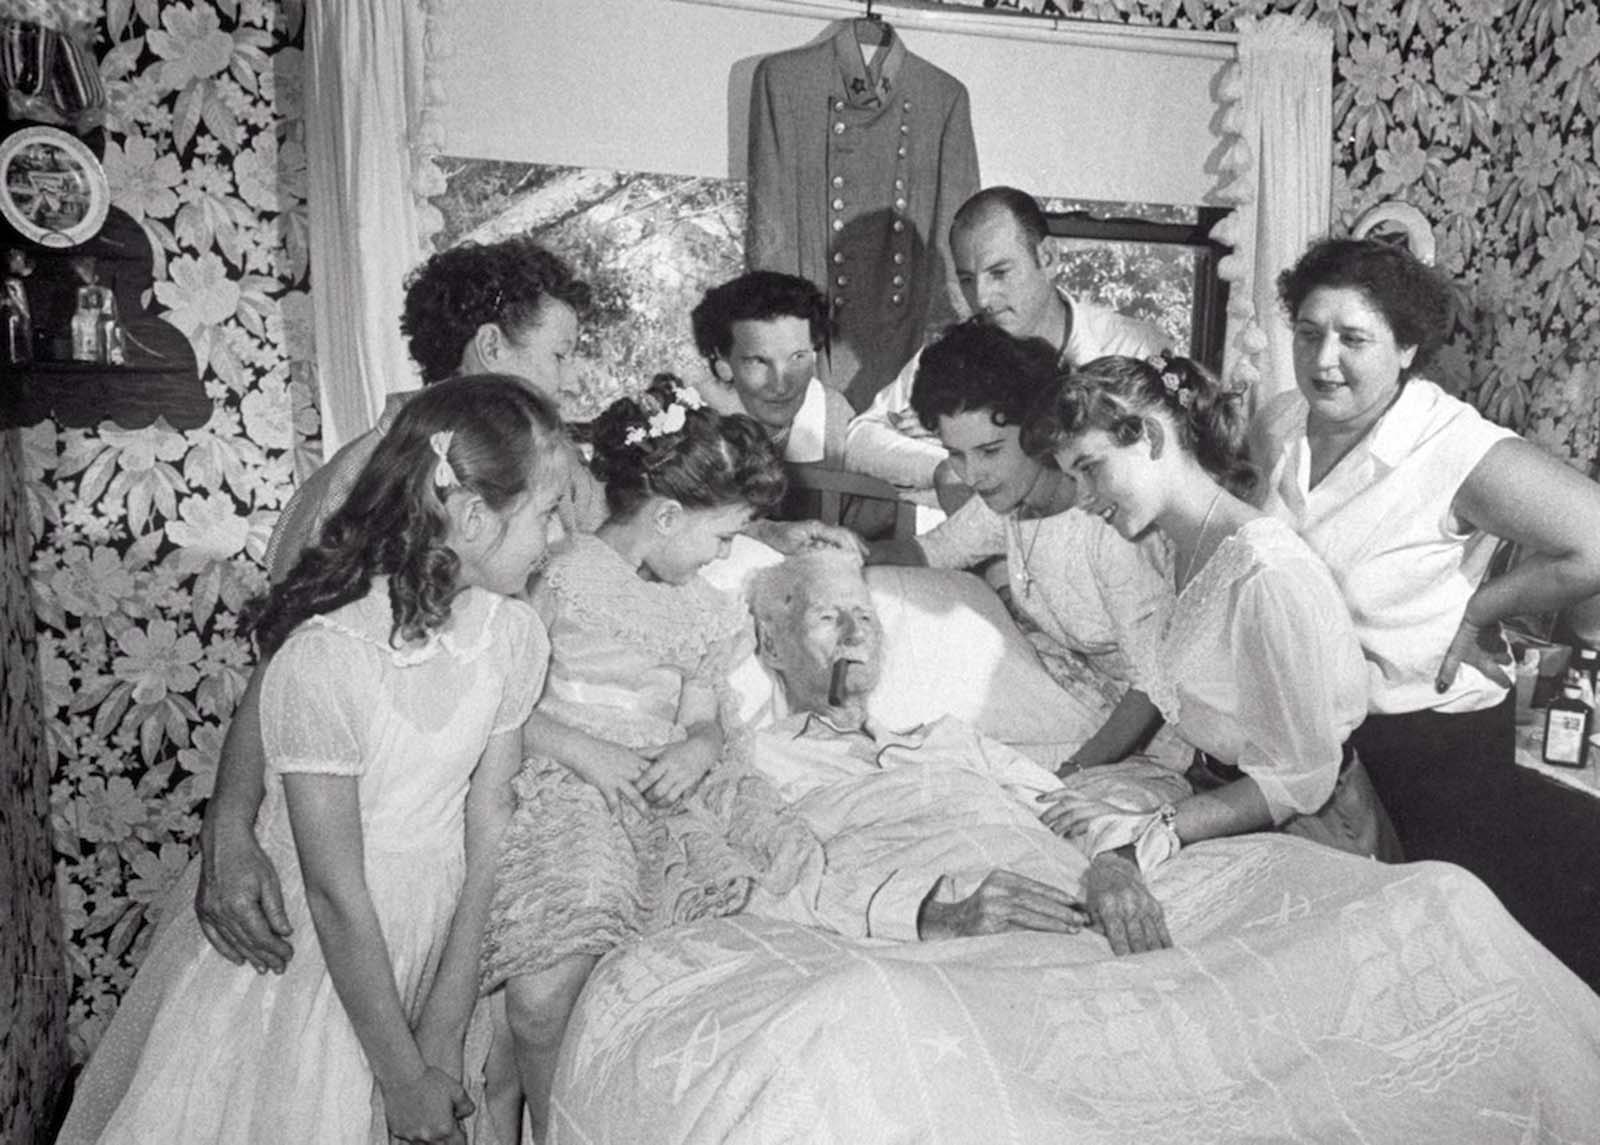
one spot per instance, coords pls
(1566, 724)
(18, 321)
(86, 345)
(113, 349)
(1587, 661)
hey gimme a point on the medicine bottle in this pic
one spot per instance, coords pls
(1566, 724)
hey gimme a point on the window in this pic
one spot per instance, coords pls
(1146, 260)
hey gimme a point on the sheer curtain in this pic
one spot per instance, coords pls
(1278, 171)
(371, 137)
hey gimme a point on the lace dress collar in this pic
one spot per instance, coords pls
(680, 621)
(465, 636)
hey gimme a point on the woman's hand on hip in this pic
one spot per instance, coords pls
(1483, 647)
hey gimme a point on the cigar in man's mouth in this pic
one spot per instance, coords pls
(836, 682)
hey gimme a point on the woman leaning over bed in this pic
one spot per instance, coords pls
(1074, 586)
(1258, 665)
(1403, 491)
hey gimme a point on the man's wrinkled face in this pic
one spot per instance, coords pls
(831, 619)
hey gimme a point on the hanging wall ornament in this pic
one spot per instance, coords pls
(53, 190)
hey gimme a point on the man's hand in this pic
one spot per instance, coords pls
(949, 488)
(679, 768)
(613, 771)
(1122, 906)
(1003, 901)
(790, 537)
(239, 901)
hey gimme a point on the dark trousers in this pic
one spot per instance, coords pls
(1445, 779)
(1454, 794)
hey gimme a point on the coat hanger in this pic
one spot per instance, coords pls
(871, 29)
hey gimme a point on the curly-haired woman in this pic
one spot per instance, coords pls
(1404, 491)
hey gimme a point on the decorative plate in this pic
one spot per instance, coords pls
(53, 190)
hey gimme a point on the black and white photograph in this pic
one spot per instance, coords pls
(867, 572)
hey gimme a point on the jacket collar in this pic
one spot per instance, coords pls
(867, 85)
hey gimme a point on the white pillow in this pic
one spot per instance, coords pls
(950, 648)
(749, 680)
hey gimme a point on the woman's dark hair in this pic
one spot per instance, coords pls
(976, 366)
(503, 441)
(1417, 302)
(459, 289)
(663, 443)
(1118, 395)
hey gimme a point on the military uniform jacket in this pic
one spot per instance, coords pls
(856, 171)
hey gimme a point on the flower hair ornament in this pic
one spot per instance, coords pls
(1172, 381)
(444, 474)
(665, 419)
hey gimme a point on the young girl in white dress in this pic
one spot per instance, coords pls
(661, 820)
(1258, 666)
(392, 710)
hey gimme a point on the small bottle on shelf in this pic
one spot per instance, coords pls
(86, 343)
(1566, 724)
(18, 324)
(113, 346)
(15, 309)
(1587, 661)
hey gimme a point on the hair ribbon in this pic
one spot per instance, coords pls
(444, 474)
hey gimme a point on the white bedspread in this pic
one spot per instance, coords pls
(1312, 997)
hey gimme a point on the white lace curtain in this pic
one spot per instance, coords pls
(371, 136)
(1278, 172)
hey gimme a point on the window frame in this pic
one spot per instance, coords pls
(1208, 326)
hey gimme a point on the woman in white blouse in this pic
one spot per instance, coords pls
(1076, 588)
(1403, 490)
(1258, 666)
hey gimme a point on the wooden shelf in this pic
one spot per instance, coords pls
(160, 377)
(158, 380)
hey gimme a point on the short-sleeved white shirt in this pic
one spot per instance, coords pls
(1383, 522)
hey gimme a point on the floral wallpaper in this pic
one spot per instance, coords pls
(1481, 112)
(33, 987)
(149, 541)
(1484, 114)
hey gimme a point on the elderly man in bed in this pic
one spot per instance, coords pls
(929, 834)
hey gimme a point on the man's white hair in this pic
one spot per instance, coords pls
(773, 591)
